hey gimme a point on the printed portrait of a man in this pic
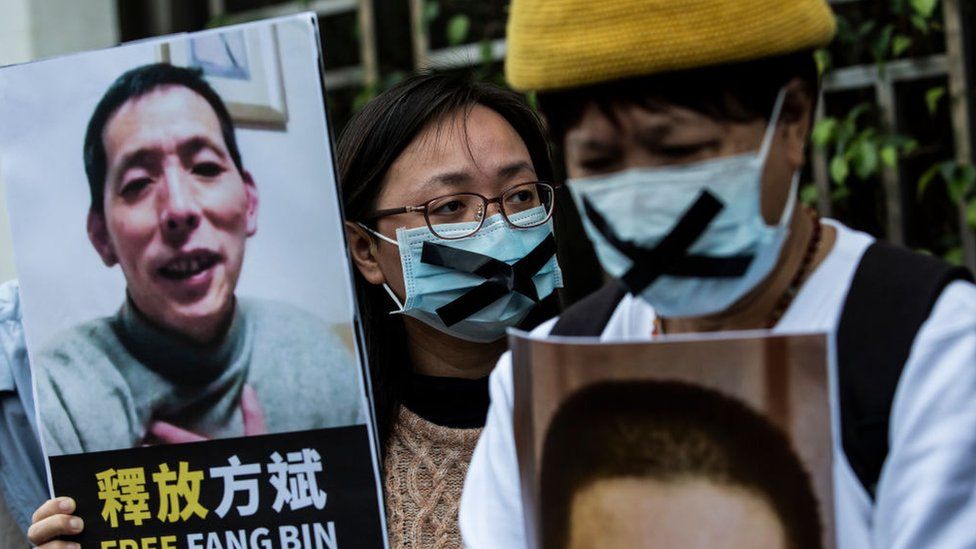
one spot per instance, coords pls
(660, 464)
(184, 358)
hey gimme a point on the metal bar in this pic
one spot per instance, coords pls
(465, 55)
(323, 8)
(818, 165)
(216, 7)
(960, 105)
(862, 76)
(890, 178)
(161, 17)
(418, 34)
(344, 78)
(367, 43)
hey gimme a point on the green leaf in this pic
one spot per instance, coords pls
(487, 56)
(948, 172)
(932, 98)
(393, 79)
(967, 174)
(909, 146)
(926, 179)
(882, 42)
(865, 29)
(959, 178)
(971, 214)
(823, 60)
(889, 155)
(920, 23)
(364, 96)
(955, 256)
(844, 32)
(900, 44)
(457, 29)
(219, 21)
(865, 159)
(924, 8)
(858, 111)
(432, 9)
(824, 132)
(809, 194)
(839, 169)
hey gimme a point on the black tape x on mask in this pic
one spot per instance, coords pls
(690, 240)
(476, 287)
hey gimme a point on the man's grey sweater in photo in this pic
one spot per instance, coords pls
(100, 384)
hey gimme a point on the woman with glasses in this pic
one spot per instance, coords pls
(446, 192)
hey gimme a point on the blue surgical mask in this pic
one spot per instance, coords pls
(690, 240)
(476, 287)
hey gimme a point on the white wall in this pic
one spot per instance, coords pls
(32, 29)
(65, 26)
(16, 40)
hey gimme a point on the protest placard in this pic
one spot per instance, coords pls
(187, 296)
(689, 441)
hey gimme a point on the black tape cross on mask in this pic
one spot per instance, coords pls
(670, 256)
(500, 277)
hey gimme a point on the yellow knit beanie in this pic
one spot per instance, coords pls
(556, 44)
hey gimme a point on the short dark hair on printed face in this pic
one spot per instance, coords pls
(738, 92)
(671, 431)
(134, 84)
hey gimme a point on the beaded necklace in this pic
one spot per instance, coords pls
(812, 246)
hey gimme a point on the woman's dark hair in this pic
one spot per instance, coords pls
(735, 92)
(368, 146)
(670, 431)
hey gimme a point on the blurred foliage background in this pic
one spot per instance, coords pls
(892, 149)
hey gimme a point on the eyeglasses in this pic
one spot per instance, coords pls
(471, 207)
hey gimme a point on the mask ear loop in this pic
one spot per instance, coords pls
(767, 143)
(378, 235)
(784, 217)
(395, 299)
(386, 286)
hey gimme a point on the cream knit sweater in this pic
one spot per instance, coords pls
(423, 475)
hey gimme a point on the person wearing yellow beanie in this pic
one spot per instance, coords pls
(684, 126)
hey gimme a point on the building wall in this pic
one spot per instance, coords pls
(30, 30)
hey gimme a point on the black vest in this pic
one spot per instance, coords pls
(891, 295)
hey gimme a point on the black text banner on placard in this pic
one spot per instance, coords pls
(299, 490)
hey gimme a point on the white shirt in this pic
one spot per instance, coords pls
(926, 496)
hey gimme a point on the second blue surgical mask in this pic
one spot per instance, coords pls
(690, 240)
(434, 293)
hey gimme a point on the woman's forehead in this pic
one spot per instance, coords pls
(463, 151)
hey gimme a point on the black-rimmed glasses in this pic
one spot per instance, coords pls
(523, 206)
